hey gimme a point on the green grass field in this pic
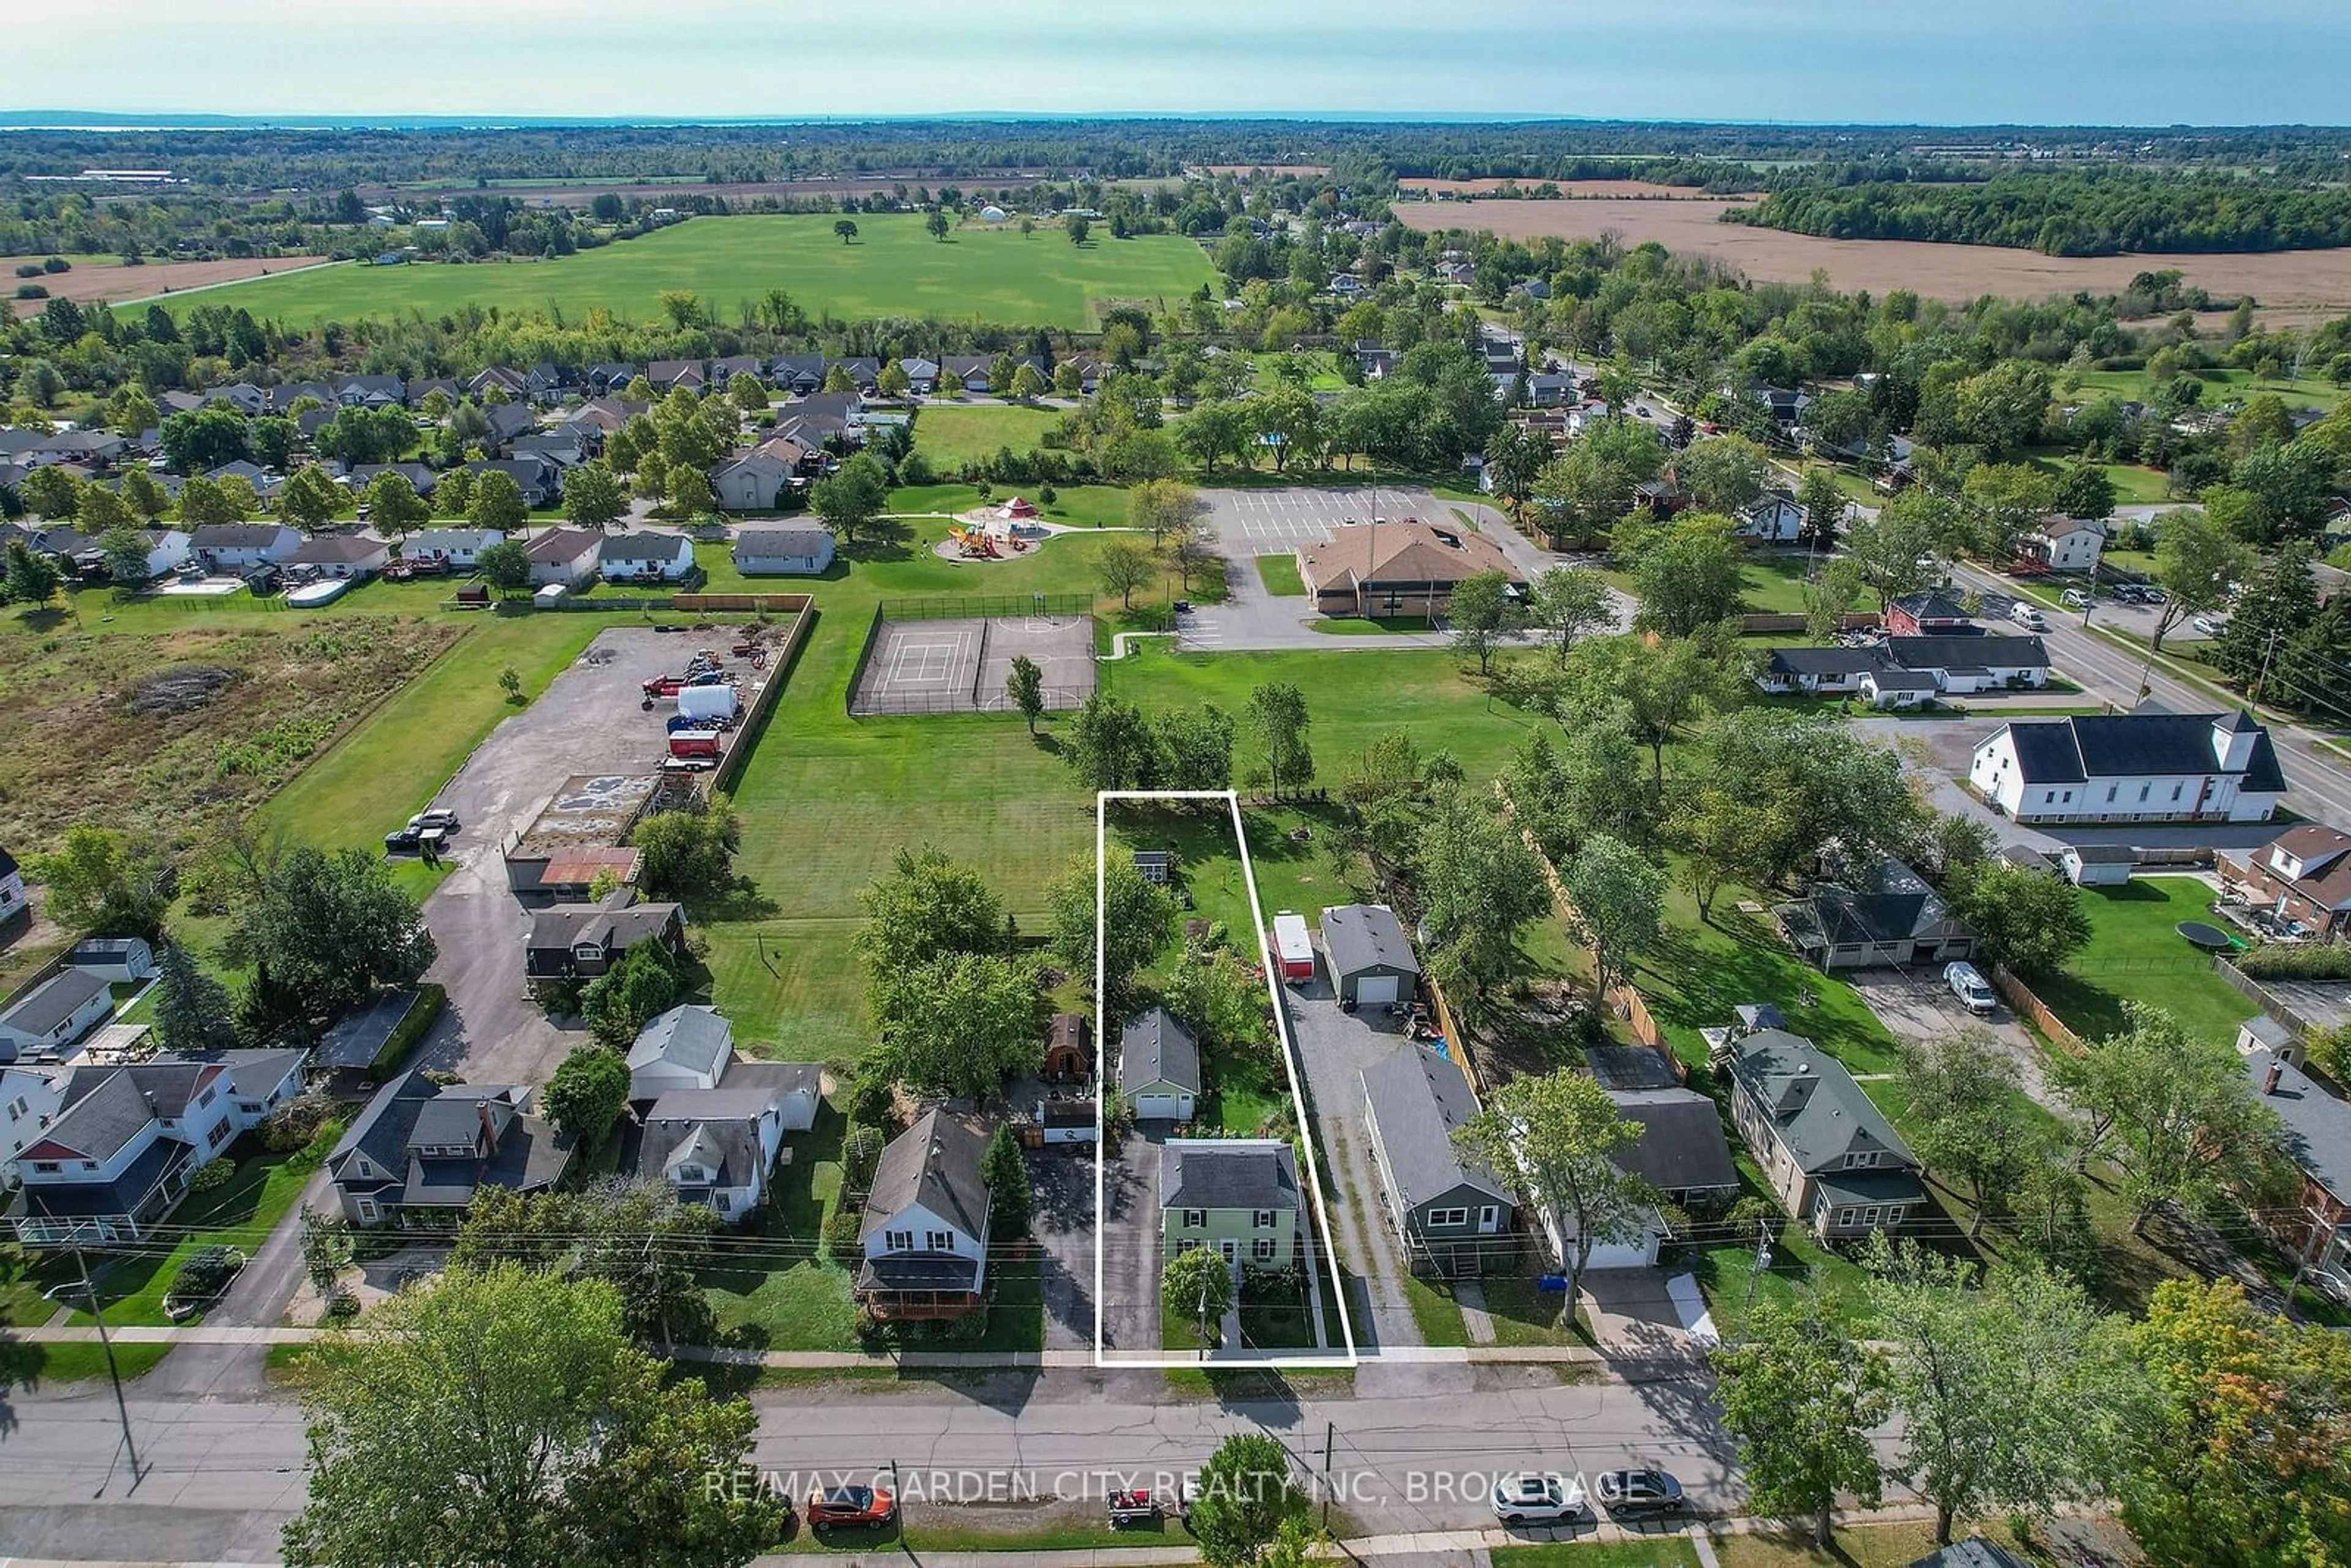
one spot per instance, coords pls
(950, 435)
(893, 268)
(2220, 386)
(2136, 954)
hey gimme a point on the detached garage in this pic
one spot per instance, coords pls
(1371, 962)
(1159, 1067)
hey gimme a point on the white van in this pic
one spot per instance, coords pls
(1969, 985)
(2026, 616)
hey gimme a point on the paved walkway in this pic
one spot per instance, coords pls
(1470, 1297)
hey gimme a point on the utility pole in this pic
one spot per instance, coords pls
(113, 1373)
(898, 1499)
(2263, 680)
(1762, 1261)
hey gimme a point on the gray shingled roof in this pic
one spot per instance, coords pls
(1361, 937)
(53, 1001)
(696, 1039)
(1681, 1144)
(1154, 1047)
(1237, 1173)
(935, 1163)
(724, 1125)
(2317, 1125)
(1417, 1100)
(1818, 1109)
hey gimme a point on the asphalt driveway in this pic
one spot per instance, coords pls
(1062, 1179)
(1917, 1007)
(1334, 1048)
(1130, 1249)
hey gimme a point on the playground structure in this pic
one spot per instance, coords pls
(979, 544)
(993, 533)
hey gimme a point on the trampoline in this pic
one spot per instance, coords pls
(2208, 938)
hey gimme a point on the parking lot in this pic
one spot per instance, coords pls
(589, 720)
(1275, 522)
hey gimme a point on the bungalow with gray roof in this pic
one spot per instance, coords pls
(1455, 1216)
(784, 550)
(47, 1020)
(1828, 1152)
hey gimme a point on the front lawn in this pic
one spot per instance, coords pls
(780, 1293)
(1274, 1317)
(1372, 625)
(1802, 1270)
(1435, 1310)
(2136, 954)
(1665, 1552)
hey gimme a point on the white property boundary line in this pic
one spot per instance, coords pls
(1289, 1064)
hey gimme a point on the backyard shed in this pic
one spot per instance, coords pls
(2098, 866)
(1371, 962)
(118, 958)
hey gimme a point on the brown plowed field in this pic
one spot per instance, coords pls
(93, 280)
(2306, 279)
(1580, 189)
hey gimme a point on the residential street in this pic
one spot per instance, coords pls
(220, 1475)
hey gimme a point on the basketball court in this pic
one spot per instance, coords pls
(960, 666)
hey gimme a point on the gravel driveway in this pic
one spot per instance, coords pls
(1917, 1007)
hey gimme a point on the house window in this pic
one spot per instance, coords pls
(898, 1240)
(2175, 791)
(217, 1136)
(939, 1240)
(1869, 1216)
(1861, 1159)
(207, 1097)
(2144, 791)
(48, 1167)
(1195, 1218)
(1262, 1220)
(2069, 797)
(722, 1202)
(1263, 1250)
(1841, 1217)
(89, 1165)
(2111, 790)
(368, 1211)
(1445, 1217)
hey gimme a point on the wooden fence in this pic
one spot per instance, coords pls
(747, 603)
(2030, 1006)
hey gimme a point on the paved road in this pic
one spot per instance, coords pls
(220, 1475)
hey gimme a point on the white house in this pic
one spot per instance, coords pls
(641, 556)
(458, 547)
(2063, 544)
(784, 550)
(1774, 520)
(119, 1154)
(717, 1148)
(29, 1101)
(54, 1014)
(233, 547)
(685, 1047)
(344, 557)
(2131, 767)
(751, 483)
(167, 550)
(563, 557)
(924, 1229)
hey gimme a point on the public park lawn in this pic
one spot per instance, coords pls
(893, 268)
(949, 435)
(2135, 954)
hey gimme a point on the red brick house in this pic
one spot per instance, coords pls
(2304, 874)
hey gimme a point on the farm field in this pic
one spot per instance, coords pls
(2221, 385)
(96, 277)
(1571, 190)
(893, 268)
(2310, 278)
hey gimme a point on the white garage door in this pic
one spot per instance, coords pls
(1163, 1108)
(1639, 1253)
(1375, 990)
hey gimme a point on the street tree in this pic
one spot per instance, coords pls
(1824, 508)
(502, 1417)
(1968, 1117)
(593, 497)
(636, 1234)
(586, 1093)
(2198, 562)
(1802, 1398)
(1900, 550)
(1196, 1286)
(1247, 1495)
(2175, 1110)
(2012, 1394)
(1619, 898)
(2246, 1459)
(1565, 603)
(1560, 1135)
(2007, 499)
(1024, 684)
(1484, 615)
(1278, 718)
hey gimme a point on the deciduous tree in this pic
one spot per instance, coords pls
(496, 502)
(1278, 717)
(1024, 684)
(1968, 1117)
(592, 497)
(1568, 601)
(1197, 1286)
(958, 1024)
(1802, 1398)
(1247, 1495)
(1619, 899)
(1109, 745)
(1484, 615)
(106, 882)
(586, 1093)
(2027, 921)
(2198, 562)
(1138, 918)
(1559, 1137)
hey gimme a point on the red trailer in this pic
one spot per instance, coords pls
(1293, 948)
(694, 743)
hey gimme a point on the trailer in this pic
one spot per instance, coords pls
(694, 743)
(716, 702)
(1293, 948)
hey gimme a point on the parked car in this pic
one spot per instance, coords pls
(1628, 1494)
(1968, 984)
(439, 817)
(1532, 1497)
(851, 1508)
(2208, 626)
(402, 841)
(2075, 599)
(2026, 616)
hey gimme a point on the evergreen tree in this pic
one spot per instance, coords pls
(193, 1011)
(1010, 1199)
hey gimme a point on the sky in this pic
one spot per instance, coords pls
(2123, 62)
